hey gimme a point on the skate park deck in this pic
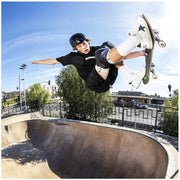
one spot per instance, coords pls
(74, 149)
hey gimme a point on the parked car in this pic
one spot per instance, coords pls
(140, 105)
(118, 102)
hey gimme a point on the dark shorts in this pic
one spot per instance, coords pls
(96, 83)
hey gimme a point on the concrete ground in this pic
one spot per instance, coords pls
(20, 159)
(55, 149)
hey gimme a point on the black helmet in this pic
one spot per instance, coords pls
(77, 39)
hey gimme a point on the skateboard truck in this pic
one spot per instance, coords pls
(161, 43)
(154, 76)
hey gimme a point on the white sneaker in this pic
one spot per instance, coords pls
(142, 32)
(137, 77)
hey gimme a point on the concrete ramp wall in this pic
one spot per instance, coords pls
(85, 150)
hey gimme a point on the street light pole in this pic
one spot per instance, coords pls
(169, 87)
(23, 67)
(20, 92)
(24, 89)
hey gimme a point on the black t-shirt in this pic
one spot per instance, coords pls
(84, 63)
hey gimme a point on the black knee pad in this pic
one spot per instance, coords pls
(108, 45)
(100, 56)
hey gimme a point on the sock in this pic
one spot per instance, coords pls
(101, 70)
(126, 73)
(129, 44)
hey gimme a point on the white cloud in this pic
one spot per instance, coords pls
(160, 85)
(168, 23)
(28, 39)
(43, 75)
(17, 59)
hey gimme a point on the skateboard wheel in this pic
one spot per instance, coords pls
(154, 76)
(161, 44)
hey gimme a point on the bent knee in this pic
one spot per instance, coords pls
(101, 58)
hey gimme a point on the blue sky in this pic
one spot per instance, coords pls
(40, 30)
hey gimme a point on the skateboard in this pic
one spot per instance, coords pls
(148, 59)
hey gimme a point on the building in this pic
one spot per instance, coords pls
(52, 89)
(13, 94)
(157, 101)
(139, 96)
(132, 96)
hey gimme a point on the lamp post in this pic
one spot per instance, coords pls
(169, 87)
(20, 92)
(23, 67)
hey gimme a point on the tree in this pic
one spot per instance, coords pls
(3, 100)
(83, 103)
(37, 96)
(169, 124)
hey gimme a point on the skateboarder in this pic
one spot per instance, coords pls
(98, 65)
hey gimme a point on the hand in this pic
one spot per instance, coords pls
(142, 53)
(35, 62)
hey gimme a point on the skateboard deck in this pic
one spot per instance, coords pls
(148, 58)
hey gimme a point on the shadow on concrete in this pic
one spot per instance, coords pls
(23, 152)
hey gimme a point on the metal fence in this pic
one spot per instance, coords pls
(137, 118)
(11, 109)
(106, 112)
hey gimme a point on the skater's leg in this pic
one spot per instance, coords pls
(102, 66)
(117, 53)
(125, 71)
(134, 79)
(105, 57)
(102, 72)
(138, 36)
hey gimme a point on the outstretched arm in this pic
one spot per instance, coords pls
(50, 61)
(135, 54)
